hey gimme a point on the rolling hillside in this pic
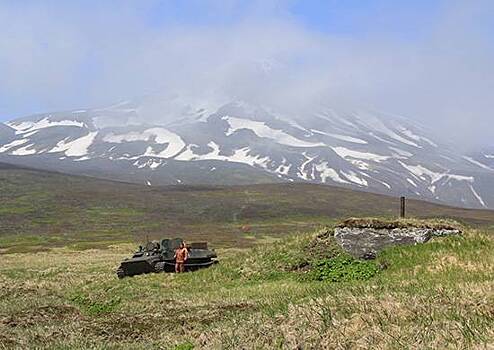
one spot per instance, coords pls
(41, 209)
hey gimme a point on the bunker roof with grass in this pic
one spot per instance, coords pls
(412, 223)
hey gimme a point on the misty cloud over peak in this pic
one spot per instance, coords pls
(61, 55)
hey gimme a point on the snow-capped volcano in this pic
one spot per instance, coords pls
(238, 143)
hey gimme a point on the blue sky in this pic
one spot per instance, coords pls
(418, 57)
(350, 17)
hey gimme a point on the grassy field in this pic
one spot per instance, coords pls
(438, 295)
(40, 210)
(282, 282)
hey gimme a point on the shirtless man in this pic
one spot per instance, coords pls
(181, 256)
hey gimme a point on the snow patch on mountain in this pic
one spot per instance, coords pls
(433, 178)
(283, 168)
(263, 130)
(458, 177)
(409, 133)
(302, 173)
(13, 144)
(76, 148)
(373, 123)
(479, 198)
(334, 117)
(188, 154)
(31, 133)
(420, 172)
(160, 136)
(243, 155)
(127, 137)
(388, 186)
(400, 153)
(359, 164)
(473, 161)
(28, 126)
(174, 143)
(327, 172)
(150, 163)
(353, 177)
(348, 153)
(341, 137)
(25, 151)
(154, 164)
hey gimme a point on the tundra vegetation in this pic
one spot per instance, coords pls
(300, 291)
(40, 210)
(282, 281)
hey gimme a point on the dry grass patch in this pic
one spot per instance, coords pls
(436, 295)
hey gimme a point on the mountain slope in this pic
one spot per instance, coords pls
(237, 143)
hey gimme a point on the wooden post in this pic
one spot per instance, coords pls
(402, 207)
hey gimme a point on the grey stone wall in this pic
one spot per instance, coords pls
(366, 243)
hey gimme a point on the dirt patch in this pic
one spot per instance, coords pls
(181, 320)
(117, 326)
(17, 291)
(44, 314)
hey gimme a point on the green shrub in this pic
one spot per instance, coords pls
(184, 346)
(95, 307)
(343, 268)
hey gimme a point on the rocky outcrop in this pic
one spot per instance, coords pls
(367, 242)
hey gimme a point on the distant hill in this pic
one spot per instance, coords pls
(191, 142)
(59, 209)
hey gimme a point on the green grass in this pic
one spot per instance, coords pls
(436, 295)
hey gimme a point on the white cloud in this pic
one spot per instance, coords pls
(60, 55)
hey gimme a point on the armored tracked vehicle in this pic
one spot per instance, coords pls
(160, 257)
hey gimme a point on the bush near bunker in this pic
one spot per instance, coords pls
(343, 269)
